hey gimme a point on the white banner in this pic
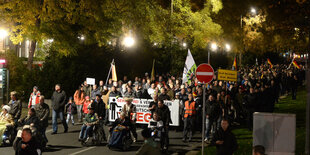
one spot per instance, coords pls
(143, 113)
(90, 81)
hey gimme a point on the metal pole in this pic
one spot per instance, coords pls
(106, 81)
(203, 118)
(307, 147)
(209, 57)
(8, 84)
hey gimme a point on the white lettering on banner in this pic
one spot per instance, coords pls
(143, 114)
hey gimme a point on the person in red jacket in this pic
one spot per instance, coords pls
(34, 97)
(86, 104)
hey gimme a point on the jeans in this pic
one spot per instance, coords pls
(59, 114)
(209, 123)
(85, 130)
(189, 127)
(79, 111)
(68, 118)
(43, 129)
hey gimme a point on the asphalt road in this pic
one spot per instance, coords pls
(68, 144)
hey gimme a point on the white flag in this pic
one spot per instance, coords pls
(189, 68)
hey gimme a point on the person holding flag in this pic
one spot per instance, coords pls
(269, 62)
(189, 68)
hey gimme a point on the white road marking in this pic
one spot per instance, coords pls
(205, 73)
(82, 151)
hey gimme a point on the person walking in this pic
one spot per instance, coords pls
(71, 110)
(79, 99)
(224, 140)
(34, 98)
(42, 112)
(58, 104)
(189, 118)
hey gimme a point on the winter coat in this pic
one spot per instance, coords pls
(71, 108)
(16, 109)
(59, 100)
(77, 99)
(230, 144)
(42, 112)
(37, 99)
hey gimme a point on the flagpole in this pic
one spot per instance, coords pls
(106, 81)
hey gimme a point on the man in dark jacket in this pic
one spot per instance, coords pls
(16, 107)
(58, 104)
(224, 140)
(43, 111)
(212, 114)
(31, 119)
(250, 105)
(27, 145)
(164, 113)
(114, 92)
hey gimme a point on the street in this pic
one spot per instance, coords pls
(67, 143)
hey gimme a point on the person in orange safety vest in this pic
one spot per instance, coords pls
(189, 112)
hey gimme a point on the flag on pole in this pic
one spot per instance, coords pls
(189, 68)
(153, 71)
(114, 76)
(235, 64)
(296, 64)
(269, 62)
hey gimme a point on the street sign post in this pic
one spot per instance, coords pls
(204, 74)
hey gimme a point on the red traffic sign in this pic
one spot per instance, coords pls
(204, 73)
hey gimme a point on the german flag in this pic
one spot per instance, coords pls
(235, 64)
(269, 62)
(296, 65)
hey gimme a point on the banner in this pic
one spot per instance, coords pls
(143, 114)
(90, 81)
(189, 68)
(227, 75)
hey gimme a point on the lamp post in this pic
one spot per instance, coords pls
(253, 11)
(213, 48)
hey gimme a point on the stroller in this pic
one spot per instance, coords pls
(120, 138)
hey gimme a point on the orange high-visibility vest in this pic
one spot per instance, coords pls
(189, 109)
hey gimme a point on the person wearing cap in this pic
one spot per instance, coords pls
(91, 119)
(16, 106)
(34, 98)
(5, 120)
(130, 112)
(59, 99)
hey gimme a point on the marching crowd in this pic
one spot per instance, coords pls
(228, 103)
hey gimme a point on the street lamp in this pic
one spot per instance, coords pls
(227, 47)
(213, 47)
(3, 33)
(128, 41)
(253, 11)
(184, 45)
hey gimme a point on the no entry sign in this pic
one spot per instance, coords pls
(204, 73)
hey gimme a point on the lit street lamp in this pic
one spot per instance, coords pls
(128, 41)
(3, 33)
(184, 45)
(253, 11)
(227, 47)
(213, 48)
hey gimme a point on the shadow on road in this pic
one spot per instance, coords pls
(54, 148)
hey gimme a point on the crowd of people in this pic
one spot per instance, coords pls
(257, 89)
